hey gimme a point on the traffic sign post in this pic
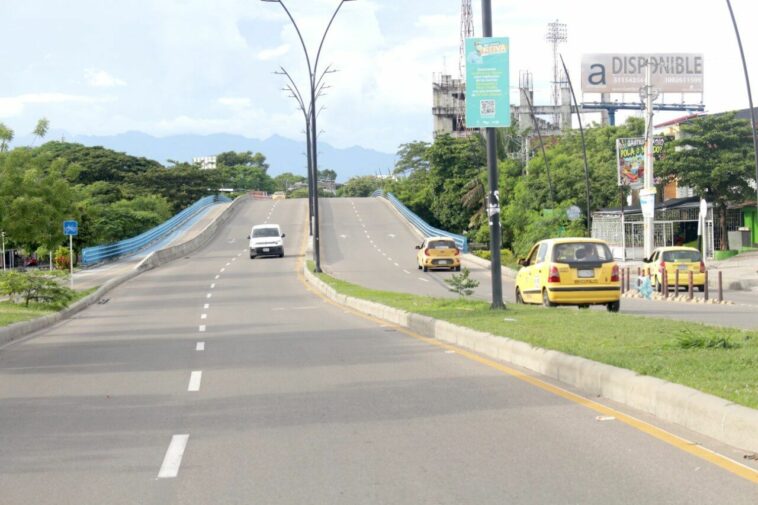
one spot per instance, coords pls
(71, 228)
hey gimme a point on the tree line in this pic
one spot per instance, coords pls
(445, 182)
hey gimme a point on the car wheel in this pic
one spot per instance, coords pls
(546, 299)
(614, 306)
(252, 256)
(281, 254)
(519, 298)
(584, 306)
(425, 268)
(458, 268)
(701, 288)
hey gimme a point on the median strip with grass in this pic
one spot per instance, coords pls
(715, 360)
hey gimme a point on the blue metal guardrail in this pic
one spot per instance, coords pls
(96, 254)
(423, 226)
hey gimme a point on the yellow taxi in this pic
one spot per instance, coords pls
(279, 195)
(569, 271)
(438, 252)
(676, 259)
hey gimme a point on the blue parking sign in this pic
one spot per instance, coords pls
(70, 228)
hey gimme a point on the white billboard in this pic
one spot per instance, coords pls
(625, 73)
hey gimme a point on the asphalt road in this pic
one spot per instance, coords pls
(217, 379)
(374, 247)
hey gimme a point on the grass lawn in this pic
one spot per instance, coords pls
(719, 361)
(15, 313)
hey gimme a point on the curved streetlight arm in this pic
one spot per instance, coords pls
(542, 145)
(323, 37)
(299, 35)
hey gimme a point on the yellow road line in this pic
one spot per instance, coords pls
(680, 443)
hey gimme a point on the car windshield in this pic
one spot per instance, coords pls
(581, 252)
(693, 256)
(441, 244)
(265, 232)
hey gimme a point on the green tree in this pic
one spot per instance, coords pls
(182, 185)
(360, 186)
(246, 178)
(285, 181)
(6, 136)
(247, 158)
(43, 125)
(35, 198)
(713, 157)
(411, 157)
(327, 175)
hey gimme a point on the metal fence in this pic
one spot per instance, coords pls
(423, 226)
(97, 254)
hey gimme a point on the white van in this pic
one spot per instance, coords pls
(266, 240)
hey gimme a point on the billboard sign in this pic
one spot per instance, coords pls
(487, 84)
(630, 158)
(625, 73)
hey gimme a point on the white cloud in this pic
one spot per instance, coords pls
(235, 102)
(15, 105)
(102, 79)
(273, 53)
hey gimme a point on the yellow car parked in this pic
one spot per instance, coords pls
(569, 271)
(438, 252)
(676, 259)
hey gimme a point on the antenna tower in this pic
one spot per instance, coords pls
(556, 34)
(467, 31)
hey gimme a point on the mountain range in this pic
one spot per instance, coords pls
(282, 154)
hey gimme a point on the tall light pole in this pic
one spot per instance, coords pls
(295, 93)
(494, 194)
(312, 73)
(2, 234)
(750, 102)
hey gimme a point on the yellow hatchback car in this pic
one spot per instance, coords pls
(569, 271)
(438, 252)
(676, 259)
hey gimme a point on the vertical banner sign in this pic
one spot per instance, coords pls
(71, 228)
(630, 157)
(487, 83)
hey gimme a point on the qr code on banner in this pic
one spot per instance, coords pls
(487, 107)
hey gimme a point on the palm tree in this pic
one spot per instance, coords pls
(475, 197)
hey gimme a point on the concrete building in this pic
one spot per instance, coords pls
(205, 162)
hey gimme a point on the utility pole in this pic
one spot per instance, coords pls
(493, 198)
(2, 234)
(647, 195)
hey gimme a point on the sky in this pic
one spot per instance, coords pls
(165, 67)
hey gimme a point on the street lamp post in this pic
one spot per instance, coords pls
(298, 96)
(312, 73)
(2, 234)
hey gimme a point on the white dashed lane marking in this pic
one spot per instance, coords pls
(194, 383)
(423, 280)
(173, 458)
(217, 277)
(200, 346)
(203, 316)
(209, 295)
(201, 328)
(406, 271)
(207, 306)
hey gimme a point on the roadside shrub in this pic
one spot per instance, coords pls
(61, 258)
(37, 286)
(461, 284)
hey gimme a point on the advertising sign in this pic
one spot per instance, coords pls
(487, 85)
(630, 159)
(625, 73)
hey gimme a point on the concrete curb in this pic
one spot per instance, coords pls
(16, 331)
(708, 415)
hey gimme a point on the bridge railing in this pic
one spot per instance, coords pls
(424, 227)
(97, 254)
